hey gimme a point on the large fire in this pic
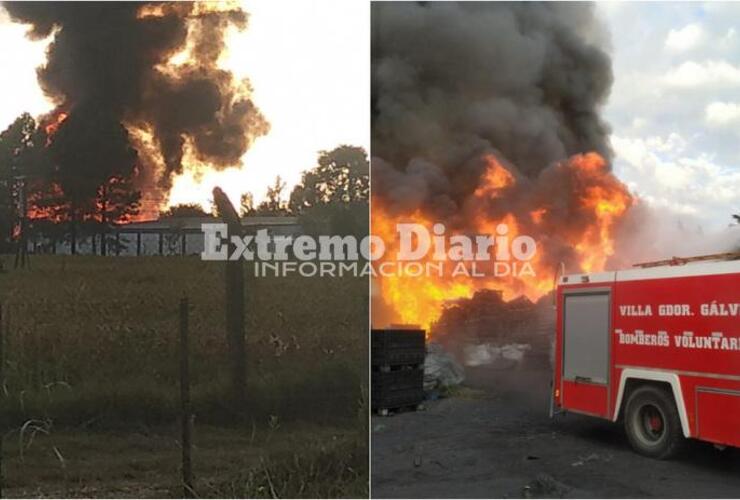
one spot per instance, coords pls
(181, 112)
(47, 201)
(53, 125)
(578, 214)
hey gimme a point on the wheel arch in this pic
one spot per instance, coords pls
(635, 376)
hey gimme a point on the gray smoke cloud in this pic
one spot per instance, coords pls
(454, 81)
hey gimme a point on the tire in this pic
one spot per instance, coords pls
(652, 423)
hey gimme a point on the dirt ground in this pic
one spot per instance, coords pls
(495, 439)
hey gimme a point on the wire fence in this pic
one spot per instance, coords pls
(98, 364)
(124, 350)
(91, 348)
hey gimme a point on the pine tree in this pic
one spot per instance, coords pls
(117, 202)
(21, 157)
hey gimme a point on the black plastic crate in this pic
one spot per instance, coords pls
(397, 388)
(396, 399)
(398, 357)
(398, 380)
(392, 338)
(392, 347)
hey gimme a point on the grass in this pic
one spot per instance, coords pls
(90, 349)
(331, 468)
(304, 461)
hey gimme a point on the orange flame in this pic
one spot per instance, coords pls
(52, 127)
(586, 228)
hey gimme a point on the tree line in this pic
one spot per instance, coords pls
(332, 196)
(65, 191)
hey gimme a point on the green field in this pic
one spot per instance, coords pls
(91, 365)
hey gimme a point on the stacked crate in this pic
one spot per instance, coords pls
(397, 360)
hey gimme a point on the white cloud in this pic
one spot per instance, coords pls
(674, 104)
(635, 150)
(728, 40)
(639, 123)
(700, 74)
(722, 114)
(664, 174)
(611, 7)
(685, 38)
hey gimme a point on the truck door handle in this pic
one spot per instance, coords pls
(582, 379)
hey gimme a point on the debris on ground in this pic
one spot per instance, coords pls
(489, 354)
(590, 458)
(441, 371)
(545, 486)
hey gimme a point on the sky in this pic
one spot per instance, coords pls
(19, 89)
(311, 77)
(309, 65)
(674, 108)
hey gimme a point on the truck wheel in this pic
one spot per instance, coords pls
(652, 423)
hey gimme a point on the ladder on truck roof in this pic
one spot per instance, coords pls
(679, 261)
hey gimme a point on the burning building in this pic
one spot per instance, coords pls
(486, 114)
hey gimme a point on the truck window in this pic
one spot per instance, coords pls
(586, 337)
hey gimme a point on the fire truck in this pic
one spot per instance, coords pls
(656, 347)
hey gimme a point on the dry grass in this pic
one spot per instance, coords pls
(91, 346)
(304, 461)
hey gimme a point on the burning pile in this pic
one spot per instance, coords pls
(140, 94)
(493, 319)
(486, 114)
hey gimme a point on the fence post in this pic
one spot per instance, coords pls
(187, 469)
(2, 349)
(2, 402)
(234, 272)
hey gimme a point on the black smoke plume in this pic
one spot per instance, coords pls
(452, 82)
(107, 68)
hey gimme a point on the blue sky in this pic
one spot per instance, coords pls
(675, 105)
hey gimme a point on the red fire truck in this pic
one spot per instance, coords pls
(657, 347)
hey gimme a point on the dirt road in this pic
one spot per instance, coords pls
(496, 440)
